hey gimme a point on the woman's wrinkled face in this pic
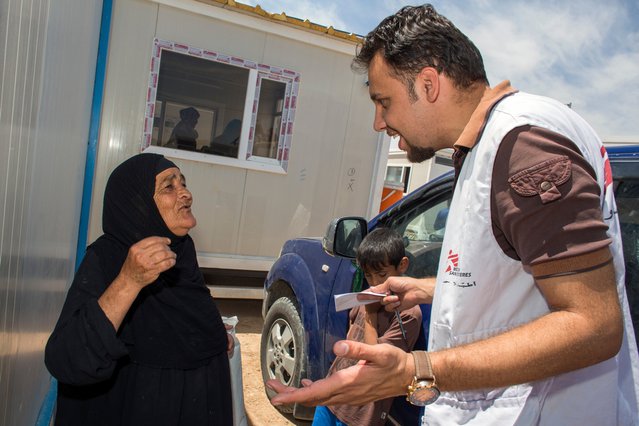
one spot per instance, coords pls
(174, 201)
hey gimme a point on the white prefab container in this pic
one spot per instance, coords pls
(306, 153)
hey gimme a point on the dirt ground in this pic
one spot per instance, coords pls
(259, 410)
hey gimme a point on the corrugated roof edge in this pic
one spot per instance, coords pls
(282, 18)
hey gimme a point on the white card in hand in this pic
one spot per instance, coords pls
(350, 300)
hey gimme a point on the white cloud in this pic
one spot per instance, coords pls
(584, 52)
(601, 70)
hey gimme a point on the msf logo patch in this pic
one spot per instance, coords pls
(457, 277)
(452, 262)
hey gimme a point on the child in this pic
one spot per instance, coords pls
(380, 255)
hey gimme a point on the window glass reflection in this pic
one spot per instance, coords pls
(268, 126)
(199, 104)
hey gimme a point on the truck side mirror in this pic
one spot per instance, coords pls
(344, 235)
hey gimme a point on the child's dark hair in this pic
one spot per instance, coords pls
(382, 247)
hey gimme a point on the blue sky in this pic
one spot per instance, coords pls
(581, 52)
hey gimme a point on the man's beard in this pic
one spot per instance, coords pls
(416, 154)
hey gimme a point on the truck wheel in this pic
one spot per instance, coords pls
(282, 352)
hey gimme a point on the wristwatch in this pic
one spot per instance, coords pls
(423, 389)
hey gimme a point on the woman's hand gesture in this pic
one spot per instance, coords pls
(147, 259)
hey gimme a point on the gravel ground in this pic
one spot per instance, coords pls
(259, 410)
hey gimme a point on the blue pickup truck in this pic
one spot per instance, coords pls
(300, 322)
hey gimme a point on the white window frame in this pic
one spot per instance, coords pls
(245, 159)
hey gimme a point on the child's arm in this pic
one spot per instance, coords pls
(412, 320)
(370, 323)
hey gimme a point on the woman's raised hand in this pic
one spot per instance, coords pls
(147, 259)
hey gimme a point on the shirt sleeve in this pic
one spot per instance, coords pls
(84, 347)
(545, 200)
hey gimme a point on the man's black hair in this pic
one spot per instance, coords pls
(417, 37)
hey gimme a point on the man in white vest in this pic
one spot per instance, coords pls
(530, 322)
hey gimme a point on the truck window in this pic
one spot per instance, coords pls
(423, 230)
(219, 107)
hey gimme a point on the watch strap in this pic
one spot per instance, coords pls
(423, 366)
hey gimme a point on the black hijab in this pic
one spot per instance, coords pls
(174, 322)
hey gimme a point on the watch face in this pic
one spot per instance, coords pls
(424, 396)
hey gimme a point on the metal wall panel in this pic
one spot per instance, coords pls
(127, 78)
(48, 51)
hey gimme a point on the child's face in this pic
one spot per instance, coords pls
(377, 277)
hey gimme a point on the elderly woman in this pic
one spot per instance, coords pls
(140, 341)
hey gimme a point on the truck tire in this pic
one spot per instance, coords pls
(282, 350)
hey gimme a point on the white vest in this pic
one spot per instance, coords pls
(482, 292)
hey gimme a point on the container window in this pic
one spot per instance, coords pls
(268, 125)
(212, 107)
